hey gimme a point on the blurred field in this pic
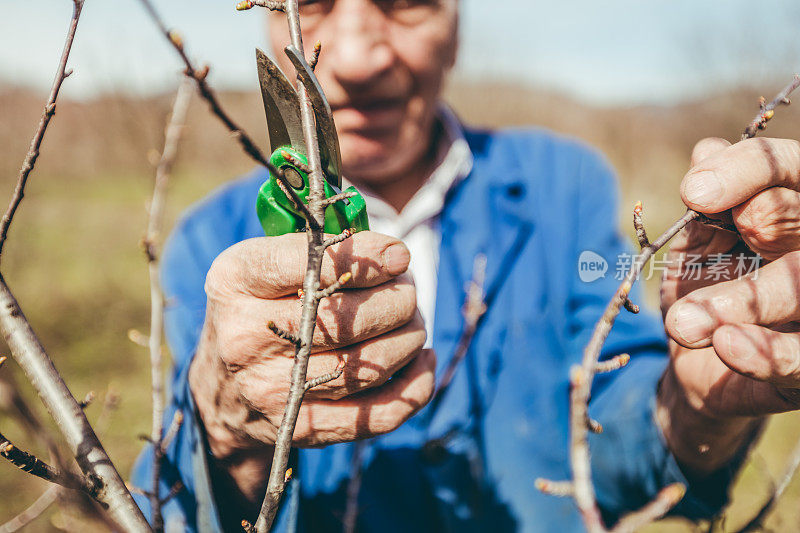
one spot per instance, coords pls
(75, 266)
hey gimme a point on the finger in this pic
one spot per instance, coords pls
(271, 267)
(768, 298)
(760, 353)
(371, 413)
(367, 365)
(769, 222)
(343, 319)
(705, 148)
(730, 177)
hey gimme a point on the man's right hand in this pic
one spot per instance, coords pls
(240, 373)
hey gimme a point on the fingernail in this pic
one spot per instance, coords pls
(703, 188)
(692, 323)
(743, 349)
(396, 258)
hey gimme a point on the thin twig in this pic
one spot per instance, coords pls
(582, 376)
(34, 466)
(283, 334)
(315, 55)
(325, 378)
(172, 431)
(354, 487)
(339, 197)
(473, 310)
(172, 138)
(310, 301)
(667, 498)
(333, 287)
(555, 488)
(272, 5)
(346, 234)
(767, 111)
(47, 114)
(612, 364)
(247, 144)
(34, 511)
(34, 361)
(296, 162)
(757, 523)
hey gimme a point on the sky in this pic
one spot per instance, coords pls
(610, 52)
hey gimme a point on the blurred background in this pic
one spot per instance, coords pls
(642, 81)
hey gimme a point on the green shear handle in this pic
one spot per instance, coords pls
(278, 215)
(277, 212)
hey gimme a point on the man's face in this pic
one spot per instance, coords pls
(382, 67)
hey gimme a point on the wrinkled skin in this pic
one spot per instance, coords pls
(735, 346)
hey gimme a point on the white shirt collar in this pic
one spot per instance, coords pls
(455, 164)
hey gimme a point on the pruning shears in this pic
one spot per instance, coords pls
(277, 212)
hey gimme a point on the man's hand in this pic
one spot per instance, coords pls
(240, 373)
(735, 346)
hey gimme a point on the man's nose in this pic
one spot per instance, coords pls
(360, 50)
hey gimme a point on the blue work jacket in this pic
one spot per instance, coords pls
(533, 203)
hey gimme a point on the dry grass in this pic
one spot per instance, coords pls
(74, 262)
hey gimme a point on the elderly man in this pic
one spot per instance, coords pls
(438, 194)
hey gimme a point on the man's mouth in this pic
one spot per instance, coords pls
(369, 114)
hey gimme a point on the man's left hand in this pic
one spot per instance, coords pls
(734, 345)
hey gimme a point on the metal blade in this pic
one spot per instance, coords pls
(326, 129)
(281, 106)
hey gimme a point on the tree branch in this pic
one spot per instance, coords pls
(38, 137)
(34, 511)
(316, 251)
(247, 144)
(34, 361)
(172, 138)
(34, 466)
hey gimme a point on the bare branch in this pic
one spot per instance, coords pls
(316, 250)
(346, 234)
(38, 137)
(174, 491)
(272, 5)
(172, 431)
(285, 335)
(554, 488)
(333, 287)
(137, 337)
(34, 466)
(757, 523)
(247, 144)
(35, 363)
(612, 364)
(296, 162)
(354, 487)
(87, 400)
(339, 197)
(325, 378)
(33, 512)
(630, 306)
(666, 499)
(767, 111)
(172, 136)
(315, 55)
(473, 310)
(641, 234)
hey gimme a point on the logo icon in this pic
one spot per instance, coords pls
(591, 266)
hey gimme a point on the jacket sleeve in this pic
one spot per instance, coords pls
(630, 460)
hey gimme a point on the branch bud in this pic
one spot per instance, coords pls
(244, 5)
(176, 39)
